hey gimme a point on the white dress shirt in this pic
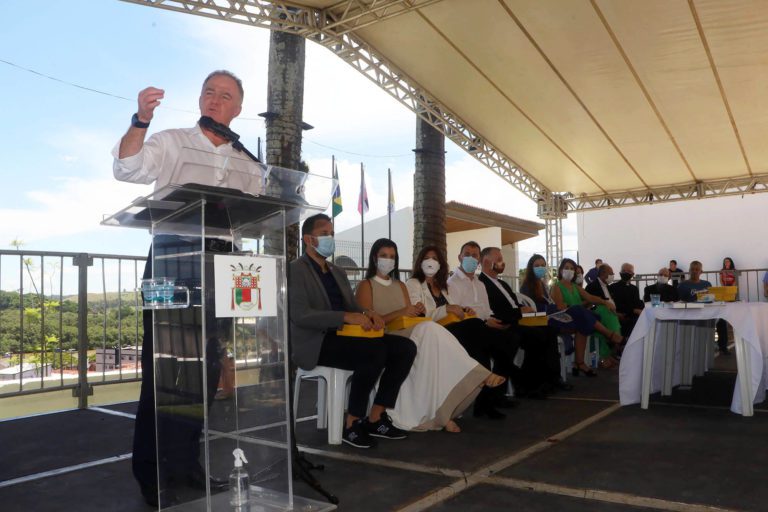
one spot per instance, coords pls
(502, 289)
(469, 293)
(158, 162)
(605, 290)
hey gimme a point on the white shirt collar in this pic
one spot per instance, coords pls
(464, 276)
(382, 281)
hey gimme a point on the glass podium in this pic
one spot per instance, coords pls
(217, 295)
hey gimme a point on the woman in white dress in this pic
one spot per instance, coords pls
(443, 380)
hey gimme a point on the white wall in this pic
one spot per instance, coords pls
(484, 237)
(649, 236)
(402, 234)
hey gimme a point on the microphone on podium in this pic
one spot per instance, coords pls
(224, 132)
(219, 129)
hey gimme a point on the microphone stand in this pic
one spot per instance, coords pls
(239, 147)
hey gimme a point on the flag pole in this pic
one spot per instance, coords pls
(389, 204)
(362, 217)
(333, 217)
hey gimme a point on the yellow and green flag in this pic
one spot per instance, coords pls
(337, 207)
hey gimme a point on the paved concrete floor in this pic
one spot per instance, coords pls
(576, 451)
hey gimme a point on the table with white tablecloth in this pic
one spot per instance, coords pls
(644, 365)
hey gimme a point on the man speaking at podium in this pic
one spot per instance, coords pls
(138, 161)
(154, 161)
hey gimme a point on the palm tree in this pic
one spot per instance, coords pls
(285, 104)
(429, 188)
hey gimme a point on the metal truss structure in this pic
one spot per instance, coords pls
(687, 191)
(553, 209)
(334, 28)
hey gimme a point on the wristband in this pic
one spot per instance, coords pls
(136, 123)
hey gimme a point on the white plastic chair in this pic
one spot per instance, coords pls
(331, 398)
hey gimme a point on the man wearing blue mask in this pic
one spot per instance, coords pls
(466, 290)
(321, 301)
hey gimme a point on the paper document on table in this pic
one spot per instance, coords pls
(687, 305)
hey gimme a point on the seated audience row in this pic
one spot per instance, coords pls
(465, 339)
(427, 374)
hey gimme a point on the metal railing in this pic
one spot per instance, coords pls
(56, 309)
(749, 282)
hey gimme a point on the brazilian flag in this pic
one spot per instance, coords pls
(337, 208)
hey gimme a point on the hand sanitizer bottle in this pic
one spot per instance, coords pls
(239, 483)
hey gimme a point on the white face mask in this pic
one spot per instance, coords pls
(385, 265)
(567, 274)
(609, 279)
(579, 279)
(663, 279)
(430, 267)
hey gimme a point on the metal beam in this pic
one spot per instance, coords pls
(553, 209)
(554, 241)
(686, 191)
(337, 19)
(333, 28)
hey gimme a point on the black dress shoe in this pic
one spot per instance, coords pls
(564, 386)
(196, 480)
(506, 403)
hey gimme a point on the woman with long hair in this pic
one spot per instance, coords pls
(565, 296)
(443, 380)
(579, 279)
(428, 285)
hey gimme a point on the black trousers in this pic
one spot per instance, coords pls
(172, 439)
(722, 335)
(484, 344)
(542, 358)
(367, 358)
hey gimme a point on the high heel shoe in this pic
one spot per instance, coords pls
(583, 368)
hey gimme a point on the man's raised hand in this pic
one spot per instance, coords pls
(149, 99)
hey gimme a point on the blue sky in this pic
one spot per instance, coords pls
(56, 166)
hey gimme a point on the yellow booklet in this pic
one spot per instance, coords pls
(358, 332)
(450, 318)
(533, 320)
(404, 322)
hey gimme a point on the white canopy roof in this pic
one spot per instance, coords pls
(610, 102)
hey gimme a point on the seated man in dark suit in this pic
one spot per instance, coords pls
(627, 299)
(320, 302)
(541, 366)
(599, 286)
(661, 287)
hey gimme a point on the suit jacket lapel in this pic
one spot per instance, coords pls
(509, 291)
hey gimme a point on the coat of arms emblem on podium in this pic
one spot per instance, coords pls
(246, 293)
(246, 286)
